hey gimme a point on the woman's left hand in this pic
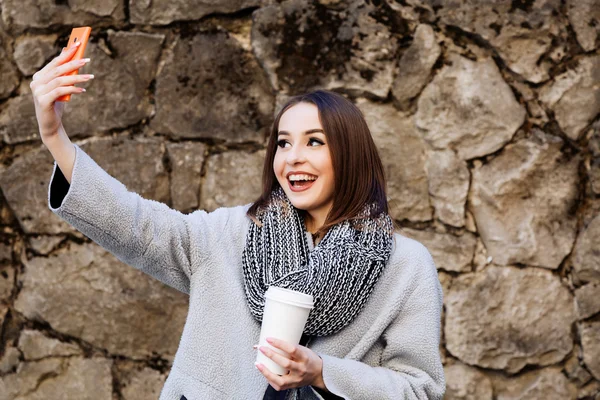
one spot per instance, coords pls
(304, 365)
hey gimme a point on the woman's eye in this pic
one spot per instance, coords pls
(282, 143)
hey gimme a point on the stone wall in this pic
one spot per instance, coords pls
(486, 115)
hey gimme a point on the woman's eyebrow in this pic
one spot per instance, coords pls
(308, 132)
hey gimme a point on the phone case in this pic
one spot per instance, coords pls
(81, 34)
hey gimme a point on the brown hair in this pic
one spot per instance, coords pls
(358, 171)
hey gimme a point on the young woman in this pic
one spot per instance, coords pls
(321, 226)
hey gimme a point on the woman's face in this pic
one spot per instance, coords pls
(302, 150)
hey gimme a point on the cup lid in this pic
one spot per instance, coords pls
(289, 296)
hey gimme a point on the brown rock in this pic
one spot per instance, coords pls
(575, 370)
(7, 282)
(232, 178)
(71, 378)
(415, 66)
(590, 391)
(162, 12)
(9, 360)
(186, 161)
(584, 16)
(31, 52)
(355, 49)
(590, 342)
(35, 346)
(449, 252)
(44, 244)
(593, 167)
(576, 89)
(448, 186)
(523, 202)
(5, 252)
(136, 163)
(140, 383)
(25, 186)
(17, 120)
(86, 292)
(9, 74)
(587, 300)
(466, 383)
(116, 97)
(586, 257)
(19, 16)
(456, 111)
(489, 318)
(210, 87)
(523, 32)
(543, 384)
(404, 156)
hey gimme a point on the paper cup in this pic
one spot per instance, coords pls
(286, 312)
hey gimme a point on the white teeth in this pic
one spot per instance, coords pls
(302, 178)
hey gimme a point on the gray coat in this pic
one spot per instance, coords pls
(390, 351)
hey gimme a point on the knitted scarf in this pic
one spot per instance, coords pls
(340, 272)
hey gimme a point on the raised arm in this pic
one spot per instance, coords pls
(143, 233)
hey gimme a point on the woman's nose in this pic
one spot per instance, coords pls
(296, 155)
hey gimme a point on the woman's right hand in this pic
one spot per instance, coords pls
(48, 84)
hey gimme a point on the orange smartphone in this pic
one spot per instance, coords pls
(79, 34)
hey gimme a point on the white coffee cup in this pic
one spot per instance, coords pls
(285, 314)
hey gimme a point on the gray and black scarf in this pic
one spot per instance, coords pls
(340, 273)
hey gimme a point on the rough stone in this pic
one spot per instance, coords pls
(403, 154)
(415, 66)
(35, 346)
(232, 178)
(590, 342)
(9, 74)
(586, 254)
(576, 89)
(489, 317)
(55, 378)
(25, 187)
(466, 383)
(18, 123)
(456, 110)
(137, 163)
(587, 300)
(31, 52)
(21, 15)
(523, 201)
(9, 360)
(584, 16)
(525, 33)
(117, 96)
(86, 292)
(575, 370)
(140, 383)
(7, 282)
(590, 391)
(355, 49)
(593, 166)
(449, 252)
(44, 244)
(163, 12)
(448, 186)
(210, 87)
(543, 384)
(5, 252)
(186, 165)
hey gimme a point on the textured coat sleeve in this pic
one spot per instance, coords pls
(145, 234)
(411, 367)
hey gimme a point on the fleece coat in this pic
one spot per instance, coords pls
(389, 351)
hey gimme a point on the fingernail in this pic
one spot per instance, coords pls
(257, 365)
(90, 76)
(255, 347)
(83, 90)
(269, 340)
